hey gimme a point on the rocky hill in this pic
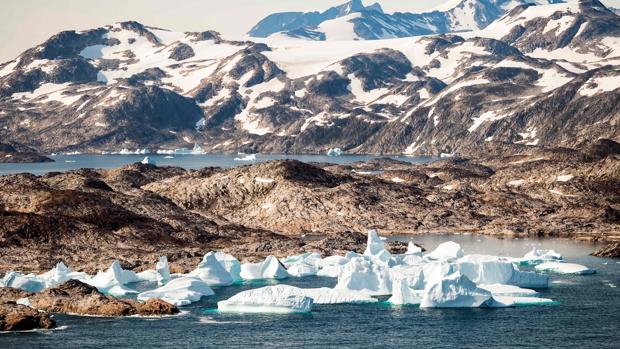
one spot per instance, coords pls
(544, 75)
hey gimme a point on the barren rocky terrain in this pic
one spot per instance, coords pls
(136, 213)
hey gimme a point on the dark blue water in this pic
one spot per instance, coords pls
(588, 316)
(71, 162)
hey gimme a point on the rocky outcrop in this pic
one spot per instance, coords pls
(16, 153)
(611, 251)
(76, 297)
(16, 317)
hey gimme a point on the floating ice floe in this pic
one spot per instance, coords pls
(362, 274)
(112, 281)
(448, 250)
(454, 291)
(245, 157)
(334, 152)
(565, 268)
(270, 268)
(270, 299)
(231, 264)
(212, 272)
(179, 292)
(148, 161)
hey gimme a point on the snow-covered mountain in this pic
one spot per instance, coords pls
(541, 75)
(354, 21)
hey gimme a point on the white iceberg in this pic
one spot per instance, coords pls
(483, 269)
(437, 270)
(334, 152)
(413, 275)
(499, 290)
(536, 256)
(305, 264)
(454, 291)
(245, 157)
(270, 299)
(448, 250)
(29, 282)
(375, 247)
(565, 268)
(212, 272)
(413, 249)
(148, 161)
(163, 271)
(270, 268)
(179, 292)
(402, 293)
(327, 295)
(231, 264)
(61, 274)
(112, 281)
(362, 274)
(331, 266)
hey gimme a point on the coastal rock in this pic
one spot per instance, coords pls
(76, 297)
(17, 317)
(610, 250)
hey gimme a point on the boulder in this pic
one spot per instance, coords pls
(17, 317)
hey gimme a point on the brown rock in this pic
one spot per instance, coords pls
(612, 251)
(16, 317)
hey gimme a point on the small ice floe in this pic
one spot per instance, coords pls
(281, 299)
(565, 268)
(180, 292)
(70, 161)
(334, 152)
(148, 161)
(168, 157)
(245, 157)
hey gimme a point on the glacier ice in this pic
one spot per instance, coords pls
(402, 293)
(212, 272)
(112, 281)
(454, 291)
(565, 268)
(231, 264)
(179, 292)
(331, 266)
(148, 161)
(362, 274)
(269, 299)
(163, 271)
(29, 282)
(448, 250)
(270, 268)
(483, 269)
(334, 152)
(537, 256)
(305, 264)
(413, 249)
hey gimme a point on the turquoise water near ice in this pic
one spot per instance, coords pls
(71, 162)
(587, 316)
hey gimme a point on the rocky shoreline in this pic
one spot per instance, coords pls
(17, 153)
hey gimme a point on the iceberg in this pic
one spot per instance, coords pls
(499, 290)
(163, 271)
(148, 161)
(112, 281)
(327, 295)
(448, 250)
(30, 282)
(231, 264)
(245, 157)
(508, 301)
(402, 293)
(435, 271)
(270, 268)
(413, 275)
(270, 299)
(362, 274)
(179, 292)
(375, 247)
(305, 264)
(334, 152)
(331, 266)
(536, 256)
(528, 279)
(212, 272)
(454, 291)
(413, 249)
(483, 269)
(61, 274)
(565, 268)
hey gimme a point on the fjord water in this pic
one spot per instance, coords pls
(72, 162)
(587, 316)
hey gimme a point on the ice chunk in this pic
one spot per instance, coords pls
(375, 247)
(508, 301)
(212, 272)
(402, 293)
(454, 291)
(565, 268)
(231, 264)
(23, 301)
(536, 256)
(334, 152)
(528, 279)
(414, 275)
(483, 269)
(269, 299)
(246, 157)
(270, 268)
(112, 281)
(436, 271)
(448, 250)
(499, 290)
(362, 274)
(163, 271)
(331, 266)
(148, 161)
(305, 264)
(181, 291)
(30, 282)
(413, 249)
(333, 296)
(60, 274)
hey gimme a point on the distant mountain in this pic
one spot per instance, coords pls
(354, 21)
(545, 75)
